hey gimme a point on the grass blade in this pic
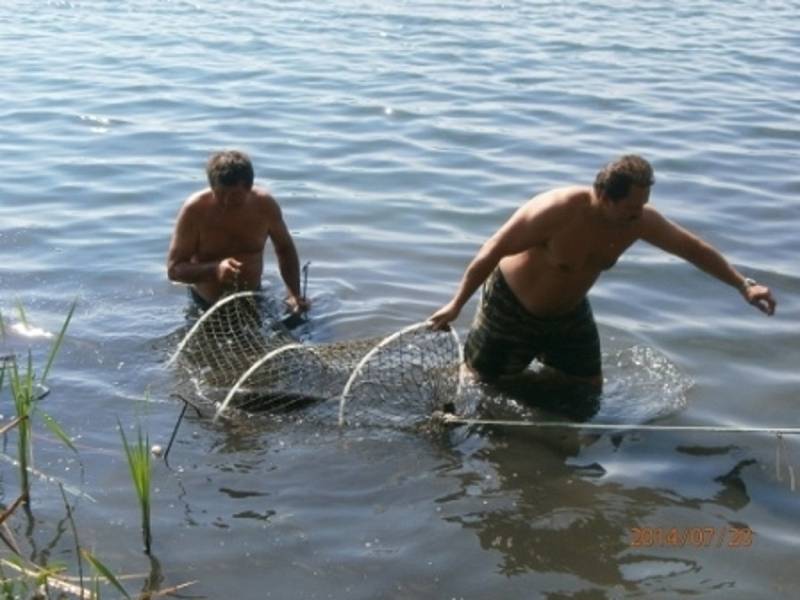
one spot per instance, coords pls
(23, 401)
(74, 535)
(29, 377)
(105, 572)
(57, 344)
(138, 455)
(22, 316)
(55, 428)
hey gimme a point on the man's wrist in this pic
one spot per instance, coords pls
(746, 284)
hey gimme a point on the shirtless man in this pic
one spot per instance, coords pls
(218, 243)
(542, 262)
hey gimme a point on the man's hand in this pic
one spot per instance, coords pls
(759, 296)
(228, 270)
(441, 319)
(297, 304)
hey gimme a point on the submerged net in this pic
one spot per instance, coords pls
(239, 356)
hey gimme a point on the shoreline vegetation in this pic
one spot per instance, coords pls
(34, 575)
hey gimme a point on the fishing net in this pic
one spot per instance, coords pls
(238, 356)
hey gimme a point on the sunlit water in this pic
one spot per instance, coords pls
(397, 137)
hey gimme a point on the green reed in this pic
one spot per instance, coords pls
(11, 588)
(138, 454)
(31, 581)
(105, 572)
(24, 387)
(23, 394)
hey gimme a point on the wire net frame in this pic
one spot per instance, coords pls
(239, 355)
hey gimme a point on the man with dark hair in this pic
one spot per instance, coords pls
(220, 232)
(539, 266)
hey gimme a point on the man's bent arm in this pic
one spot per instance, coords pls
(476, 272)
(529, 226)
(180, 267)
(186, 271)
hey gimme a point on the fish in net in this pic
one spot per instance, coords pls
(239, 356)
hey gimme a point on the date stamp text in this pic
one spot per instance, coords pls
(691, 537)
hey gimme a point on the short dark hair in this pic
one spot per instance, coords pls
(617, 177)
(229, 168)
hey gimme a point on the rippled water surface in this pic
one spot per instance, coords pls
(398, 137)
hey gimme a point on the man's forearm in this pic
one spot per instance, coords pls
(475, 274)
(710, 260)
(289, 267)
(190, 272)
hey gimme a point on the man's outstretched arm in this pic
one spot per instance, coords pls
(672, 238)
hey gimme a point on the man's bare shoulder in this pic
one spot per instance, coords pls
(265, 201)
(652, 223)
(564, 202)
(194, 209)
(651, 217)
(198, 201)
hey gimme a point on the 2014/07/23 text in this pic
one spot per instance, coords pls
(695, 537)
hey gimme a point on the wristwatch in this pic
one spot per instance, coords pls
(748, 283)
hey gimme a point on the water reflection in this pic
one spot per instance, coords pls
(540, 502)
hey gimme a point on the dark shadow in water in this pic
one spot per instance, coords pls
(573, 401)
(734, 493)
(545, 531)
(565, 518)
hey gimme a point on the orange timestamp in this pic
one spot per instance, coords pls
(693, 537)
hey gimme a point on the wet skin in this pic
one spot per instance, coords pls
(218, 243)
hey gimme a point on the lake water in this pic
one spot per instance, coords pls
(398, 137)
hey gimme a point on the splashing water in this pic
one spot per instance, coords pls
(641, 385)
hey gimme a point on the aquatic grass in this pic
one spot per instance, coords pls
(12, 588)
(23, 386)
(57, 343)
(138, 454)
(43, 575)
(22, 393)
(74, 529)
(22, 315)
(105, 572)
(33, 580)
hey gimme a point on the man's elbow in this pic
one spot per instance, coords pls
(173, 272)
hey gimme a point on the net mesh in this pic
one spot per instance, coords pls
(238, 356)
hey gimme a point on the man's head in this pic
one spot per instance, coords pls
(615, 180)
(230, 168)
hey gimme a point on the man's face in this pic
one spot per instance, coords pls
(628, 209)
(231, 196)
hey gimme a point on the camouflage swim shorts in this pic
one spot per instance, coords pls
(505, 337)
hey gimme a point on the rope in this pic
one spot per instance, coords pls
(453, 419)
